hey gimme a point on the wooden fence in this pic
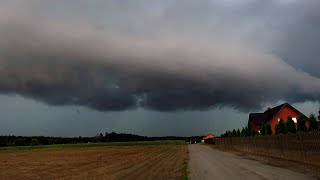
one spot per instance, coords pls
(303, 147)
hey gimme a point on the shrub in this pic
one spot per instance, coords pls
(313, 123)
(269, 130)
(291, 125)
(282, 128)
(264, 129)
(302, 124)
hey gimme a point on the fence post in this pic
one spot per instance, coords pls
(255, 144)
(281, 146)
(302, 148)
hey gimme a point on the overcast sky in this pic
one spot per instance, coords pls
(169, 67)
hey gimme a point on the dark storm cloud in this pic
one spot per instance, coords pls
(158, 57)
(300, 45)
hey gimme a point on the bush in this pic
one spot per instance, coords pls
(313, 123)
(302, 124)
(269, 130)
(282, 128)
(264, 129)
(250, 130)
(291, 125)
(238, 133)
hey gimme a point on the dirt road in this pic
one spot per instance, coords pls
(208, 163)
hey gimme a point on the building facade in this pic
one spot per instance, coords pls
(272, 117)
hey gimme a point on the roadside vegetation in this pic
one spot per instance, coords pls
(185, 169)
(85, 145)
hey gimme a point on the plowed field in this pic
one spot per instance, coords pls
(125, 162)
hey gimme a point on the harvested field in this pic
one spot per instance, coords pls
(118, 162)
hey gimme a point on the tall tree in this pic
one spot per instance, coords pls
(282, 129)
(302, 124)
(238, 133)
(313, 123)
(264, 129)
(228, 133)
(243, 132)
(291, 125)
(318, 122)
(269, 130)
(246, 131)
(100, 137)
(234, 133)
(250, 130)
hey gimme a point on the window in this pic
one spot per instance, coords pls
(294, 119)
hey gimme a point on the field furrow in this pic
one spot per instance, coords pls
(123, 162)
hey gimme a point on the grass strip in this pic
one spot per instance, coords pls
(85, 145)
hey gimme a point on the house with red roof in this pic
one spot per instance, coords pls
(272, 117)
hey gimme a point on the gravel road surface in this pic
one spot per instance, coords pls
(208, 163)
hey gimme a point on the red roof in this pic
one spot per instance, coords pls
(208, 136)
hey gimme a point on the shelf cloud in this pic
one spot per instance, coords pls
(165, 56)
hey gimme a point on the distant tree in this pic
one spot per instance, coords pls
(234, 133)
(247, 131)
(243, 132)
(301, 124)
(264, 129)
(80, 140)
(20, 141)
(291, 125)
(228, 133)
(250, 130)
(318, 122)
(282, 128)
(34, 142)
(99, 137)
(269, 130)
(106, 137)
(313, 123)
(238, 133)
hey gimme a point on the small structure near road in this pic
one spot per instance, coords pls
(209, 139)
(195, 140)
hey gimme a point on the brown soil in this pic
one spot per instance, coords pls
(131, 162)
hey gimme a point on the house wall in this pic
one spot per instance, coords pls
(284, 113)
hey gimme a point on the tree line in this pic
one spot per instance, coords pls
(281, 128)
(10, 140)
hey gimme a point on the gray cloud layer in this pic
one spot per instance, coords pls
(163, 56)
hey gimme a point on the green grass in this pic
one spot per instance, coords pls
(185, 171)
(85, 145)
(184, 168)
